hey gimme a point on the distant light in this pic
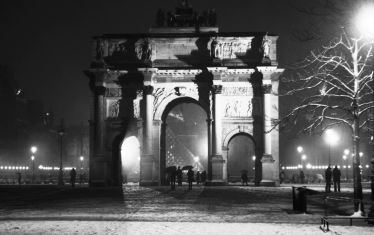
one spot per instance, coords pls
(331, 137)
(346, 151)
(282, 167)
(344, 157)
(81, 158)
(32, 158)
(361, 154)
(365, 20)
(47, 114)
(299, 149)
(308, 166)
(254, 158)
(349, 166)
(196, 159)
(367, 166)
(34, 149)
(1, 167)
(19, 91)
(27, 168)
(344, 167)
(303, 157)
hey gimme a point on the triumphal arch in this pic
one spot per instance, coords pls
(137, 80)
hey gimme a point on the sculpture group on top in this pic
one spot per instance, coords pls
(185, 16)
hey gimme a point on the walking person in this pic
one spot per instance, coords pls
(281, 177)
(244, 177)
(198, 177)
(73, 175)
(336, 178)
(190, 175)
(173, 176)
(302, 177)
(179, 176)
(328, 174)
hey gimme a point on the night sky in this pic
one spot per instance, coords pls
(47, 43)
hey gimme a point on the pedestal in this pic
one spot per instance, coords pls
(268, 171)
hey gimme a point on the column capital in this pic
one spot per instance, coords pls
(217, 89)
(148, 90)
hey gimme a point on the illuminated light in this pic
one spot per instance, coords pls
(367, 166)
(32, 158)
(13, 167)
(34, 149)
(6, 168)
(339, 166)
(349, 166)
(1, 167)
(331, 137)
(81, 158)
(346, 151)
(344, 166)
(254, 158)
(282, 168)
(303, 157)
(361, 154)
(299, 149)
(196, 159)
(40, 167)
(27, 168)
(16, 167)
(360, 166)
(365, 20)
(344, 157)
(308, 166)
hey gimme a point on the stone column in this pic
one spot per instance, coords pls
(99, 119)
(147, 158)
(268, 177)
(217, 161)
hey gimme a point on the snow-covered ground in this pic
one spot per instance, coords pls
(159, 210)
(169, 228)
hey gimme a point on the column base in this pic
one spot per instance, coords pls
(269, 176)
(217, 168)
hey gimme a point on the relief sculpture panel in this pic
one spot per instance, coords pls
(230, 48)
(237, 107)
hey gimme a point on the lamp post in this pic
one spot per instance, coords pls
(303, 158)
(364, 23)
(81, 159)
(61, 133)
(346, 168)
(33, 150)
(331, 138)
(33, 168)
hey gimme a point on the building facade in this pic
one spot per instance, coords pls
(137, 79)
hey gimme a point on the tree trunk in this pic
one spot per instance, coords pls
(357, 187)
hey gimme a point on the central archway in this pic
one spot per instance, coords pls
(184, 136)
(241, 157)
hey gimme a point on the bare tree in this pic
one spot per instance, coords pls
(335, 87)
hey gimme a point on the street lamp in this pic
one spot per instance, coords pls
(332, 139)
(61, 133)
(81, 158)
(346, 169)
(299, 149)
(33, 149)
(364, 23)
(33, 168)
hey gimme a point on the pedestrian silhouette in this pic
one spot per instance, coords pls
(336, 178)
(198, 177)
(302, 177)
(179, 176)
(19, 177)
(173, 175)
(73, 175)
(281, 177)
(190, 175)
(203, 177)
(244, 177)
(328, 174)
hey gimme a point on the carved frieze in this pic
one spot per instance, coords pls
(143, 49)
(230, 48)
(113, 92)
(237, 91)
(136, 104)
(237, 107)
(113, 108)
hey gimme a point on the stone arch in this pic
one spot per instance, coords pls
(173, 103)
(236, 131)
(171, 97)
(239, 159)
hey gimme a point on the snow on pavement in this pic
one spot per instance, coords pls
(169, 228)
